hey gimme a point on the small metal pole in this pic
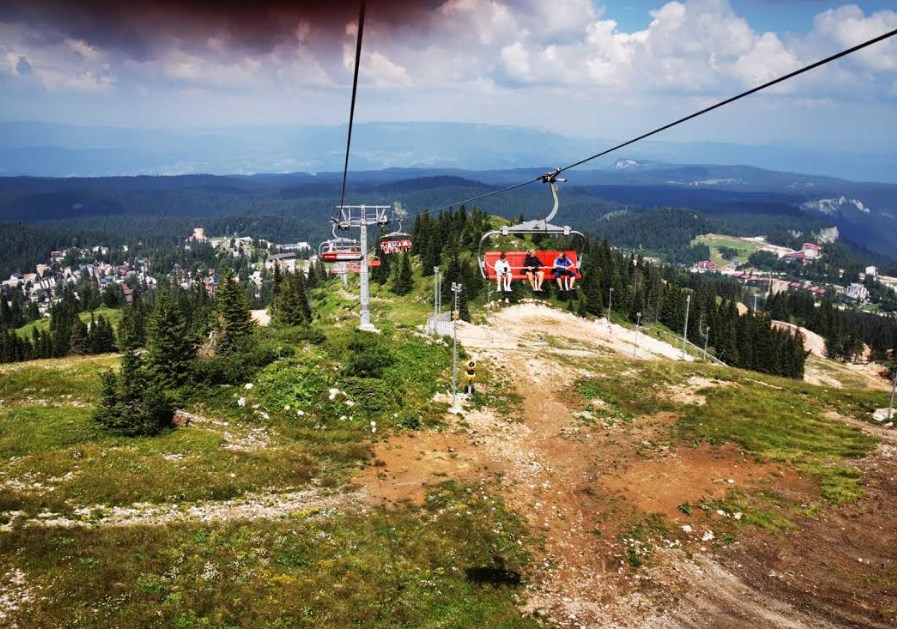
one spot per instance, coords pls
(638, 325)
(755, 303)
(456, 289)
(891, 403)
(706, 341)
(685, 329)
(435, 300)
(610, 305)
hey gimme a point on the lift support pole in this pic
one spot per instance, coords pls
(360, 217)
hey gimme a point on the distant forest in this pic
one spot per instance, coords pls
(38, 215)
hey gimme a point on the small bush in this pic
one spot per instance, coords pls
(369, 355)
(241, 364)
(374, 397)
(132, 405)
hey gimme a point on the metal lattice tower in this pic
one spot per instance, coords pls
(361, 217)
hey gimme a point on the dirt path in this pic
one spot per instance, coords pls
(532, 325)
(582, 489)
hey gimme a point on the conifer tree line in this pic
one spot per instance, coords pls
(746, 340)
(67, 334)
(191, 338)
(845, 331)
(447, 240)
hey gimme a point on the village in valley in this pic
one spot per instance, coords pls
(781, 270)
(114, 274)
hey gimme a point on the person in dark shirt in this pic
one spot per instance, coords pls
(532, 268)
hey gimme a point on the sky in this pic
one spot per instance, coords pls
(585, 68)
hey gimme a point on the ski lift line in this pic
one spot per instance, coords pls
(481, 196)
(342, 196)
(697, 114)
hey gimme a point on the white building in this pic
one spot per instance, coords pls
(811, 250)
(286, 262)
(857, 291)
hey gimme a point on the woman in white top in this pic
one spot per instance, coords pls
(502, 274)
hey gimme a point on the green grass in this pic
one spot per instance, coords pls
(788, 425)
(53, 381)
(45, 444)
(715, 241)
(112, 315)
(46, 428)
(641, 392)
(379, 568)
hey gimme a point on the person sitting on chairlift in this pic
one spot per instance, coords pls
(532, 268)
(563, 271)
(503, 274)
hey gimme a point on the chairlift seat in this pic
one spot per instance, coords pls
(395, 245)
(355, 267)
(334, 251)
(517, 258)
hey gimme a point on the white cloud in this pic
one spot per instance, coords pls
(847, 26)
(384, 72)
(496, 61)
(84, 50)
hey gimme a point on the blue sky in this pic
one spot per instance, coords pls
(591, 69)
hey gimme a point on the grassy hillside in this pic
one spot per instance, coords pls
(265, 510)
(112, 315)
(718, 242)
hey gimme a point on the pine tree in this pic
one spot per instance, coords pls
(5, 312)
(132, 404)
(233, 316)
(78, 338)
(404, 282)
(291, 301)
(101, 337)
(132, 328)
(171, 347)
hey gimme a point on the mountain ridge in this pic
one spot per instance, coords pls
(59, 150)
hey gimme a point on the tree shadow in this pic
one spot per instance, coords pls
(495, 575)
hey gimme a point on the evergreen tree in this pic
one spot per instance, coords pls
(291, 301)
(233, 316)
(101, 337)
(132, 327)
(78, 338)
(171, 347)
(5, 312)
(404, 282)
(132, 404)
(312, 280)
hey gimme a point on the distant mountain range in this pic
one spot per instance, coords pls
(53, 150)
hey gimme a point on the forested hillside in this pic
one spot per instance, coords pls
(657, 220)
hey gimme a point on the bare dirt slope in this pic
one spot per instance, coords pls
(585, 492)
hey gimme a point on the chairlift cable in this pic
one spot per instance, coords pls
(342, 196)
(697, 114)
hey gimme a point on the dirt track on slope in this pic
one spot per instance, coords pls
(583, 489)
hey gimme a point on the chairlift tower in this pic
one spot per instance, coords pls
(361, 217)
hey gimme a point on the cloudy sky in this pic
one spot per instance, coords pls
(591, 68)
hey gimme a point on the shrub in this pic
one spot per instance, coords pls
(132, 405)
(245, 359)
(373, 396)
(369, 355)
